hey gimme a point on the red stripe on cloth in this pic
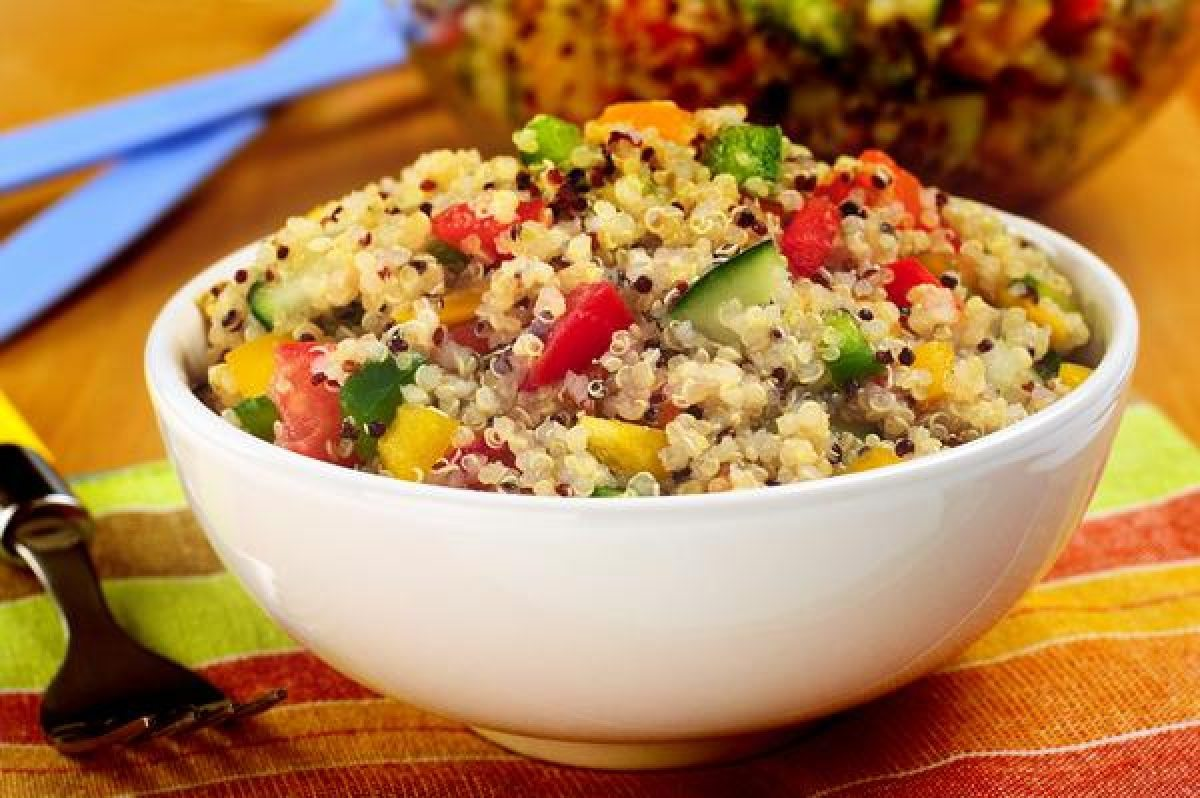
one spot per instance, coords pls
(1162, 532)
(1161, 764)
(304, 676)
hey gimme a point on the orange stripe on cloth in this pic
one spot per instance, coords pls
(1150, 762)
(1059, 697)
(1160, 532)
(1078, 773)
(1132, 602)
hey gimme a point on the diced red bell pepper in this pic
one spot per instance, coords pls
(457, 223)
(907, 274)
(1075, 17)
(310, 415)
(810, 236)
(594, 312)
(905, 186)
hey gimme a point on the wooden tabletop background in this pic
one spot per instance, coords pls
(77, 375)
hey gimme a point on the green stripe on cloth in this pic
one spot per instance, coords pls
(191, 619)
(149, 486)
(1151, 459)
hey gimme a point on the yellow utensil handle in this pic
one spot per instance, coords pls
(14, 429)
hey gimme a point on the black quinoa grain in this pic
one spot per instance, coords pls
(576, 176)
(776, 334)
(884, 357)
(419, 266)
(281, 252)
(241, 276)
(1027, 387)
(886, 228)
(376, 429)
(554, 177)
(852, 208)
(397, 344)
(349, 429)
(489, 185)
(524, 181)
(949, 280)
(779, 374)
(365, 239)
(229, 318)
(905, 447)
(865, 314)
(805, 182)
(760, 228)
(643, 284)
(745, 218)
(439, 336)
(428, 185)
(907, 357)
(881, 179)
(306, 337)
(318, 378)
(648, 154)
(985, 346)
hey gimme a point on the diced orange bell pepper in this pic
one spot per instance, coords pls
(876, 457)
(459, 306)
(905, 186)
(251, 364)
(936, 357)
(416, 439)
(671, 121)
(625, 448)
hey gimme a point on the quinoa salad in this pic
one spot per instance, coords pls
(658, 302)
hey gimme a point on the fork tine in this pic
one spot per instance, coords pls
(81, 744)
(257, 705)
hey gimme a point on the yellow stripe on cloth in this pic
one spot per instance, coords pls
(14, 429)
(1135, 601)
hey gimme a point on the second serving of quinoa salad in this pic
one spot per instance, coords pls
(660, 302)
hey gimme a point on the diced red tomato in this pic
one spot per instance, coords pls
(905, 186)
(465, 335)
(457, 223)
(1076, 17)
(907, 274)
(480, 446)
(310, 415)
(594, 312)
(810, 236)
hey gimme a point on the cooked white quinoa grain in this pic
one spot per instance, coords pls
(466, 310)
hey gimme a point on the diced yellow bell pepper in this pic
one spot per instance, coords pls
(1072, 375)
(459, 306)
(1043, 315)
(251, 364)
(417, 437)
(936, 357)
(671, 121)
(403, 314)
(14, 429)
(625, 448)
(877, 457)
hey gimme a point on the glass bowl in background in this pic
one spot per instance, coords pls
(1006, 101)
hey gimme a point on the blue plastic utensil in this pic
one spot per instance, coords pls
(356, 36)
(66, 243)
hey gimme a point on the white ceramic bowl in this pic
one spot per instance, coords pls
(646, 632)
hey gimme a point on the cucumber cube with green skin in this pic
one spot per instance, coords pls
(1048, 366)
(1041, 288)
(604, 492)
(370, 396)
(753, 277)
(272, 300)
(448, 256)
(746, 151)
(556, 139)
(856, 359)
(258, 416)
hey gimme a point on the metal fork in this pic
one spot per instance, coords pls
(110, 689)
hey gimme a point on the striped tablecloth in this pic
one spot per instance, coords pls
(1090, 687)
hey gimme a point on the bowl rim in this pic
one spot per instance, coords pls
(175, 402)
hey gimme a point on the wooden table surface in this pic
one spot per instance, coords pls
(77, 373)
